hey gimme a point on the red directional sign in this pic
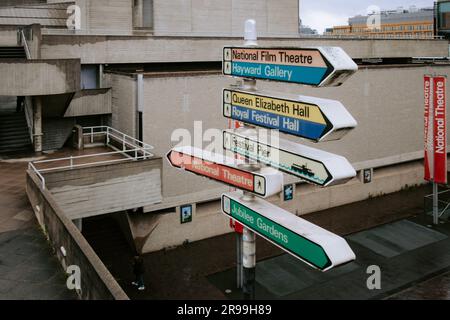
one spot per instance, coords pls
(225, 169)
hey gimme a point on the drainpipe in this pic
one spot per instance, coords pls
(139, 100)
(37, 124)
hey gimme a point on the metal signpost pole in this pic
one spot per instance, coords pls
(249, 256)
(239, 264)
(248, 236)
(435, 204)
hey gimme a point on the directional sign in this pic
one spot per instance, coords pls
(308, 242)
(315, 166)
(264, 183)
(307, 117)
(322, 66)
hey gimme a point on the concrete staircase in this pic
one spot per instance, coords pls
(14, 135)
(12, 53)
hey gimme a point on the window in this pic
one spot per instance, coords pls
(89, 77)
(143, 14)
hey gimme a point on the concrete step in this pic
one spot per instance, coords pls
(13, 126)
(16, 148)
(24, 140)
(12, 52)
(14, 135)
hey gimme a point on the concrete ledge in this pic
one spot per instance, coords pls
(96, 281)
(115, 49)
(104, 188)
(39, 77)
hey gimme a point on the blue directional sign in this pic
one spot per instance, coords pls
(323, 66)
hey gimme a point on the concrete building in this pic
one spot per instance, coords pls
(442, 18)
(412, 22)
(148, 68)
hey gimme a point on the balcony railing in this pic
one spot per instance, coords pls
(129, 148)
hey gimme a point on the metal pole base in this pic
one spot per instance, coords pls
(249, 283)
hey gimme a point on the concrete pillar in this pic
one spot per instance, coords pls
(37, 123)
(138, 14)
(36, 41)
(139, 103)
(78, 223)
(100, 75)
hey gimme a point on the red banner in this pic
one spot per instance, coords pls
(428, 130)
(440, 130)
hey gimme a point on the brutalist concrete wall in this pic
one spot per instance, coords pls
(97, 283)
(101, 189)
(116, 49)
(225, 18)
(39, 77)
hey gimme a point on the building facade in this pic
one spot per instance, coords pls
(149, 68)
(415, 23)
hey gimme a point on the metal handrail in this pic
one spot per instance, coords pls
(25, 44)
(114, 133)
(446, 203)
(36, 171)
(72, 158)
(139, 148)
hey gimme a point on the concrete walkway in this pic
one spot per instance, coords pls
(28, 268)
(389, 231)
(408, 252)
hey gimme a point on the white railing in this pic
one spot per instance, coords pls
(124, 140)
(31, 167)
(25, 44)
(131, 150)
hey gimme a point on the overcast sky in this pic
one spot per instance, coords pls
(321, 14)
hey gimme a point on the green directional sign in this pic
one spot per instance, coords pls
(312, 165)
(296, 236)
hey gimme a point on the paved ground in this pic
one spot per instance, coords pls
(437, 288)
(28, 269)
(408, 252)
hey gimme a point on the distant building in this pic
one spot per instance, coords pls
(410, 22)
(442, 18)
(306, 30)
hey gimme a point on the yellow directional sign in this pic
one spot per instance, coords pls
(307, 117)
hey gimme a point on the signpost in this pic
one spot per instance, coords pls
(322, 66)
(312, 165)
(435, 136)
(313, 245)
(257, 172)
(234, 172)
(306, 117)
